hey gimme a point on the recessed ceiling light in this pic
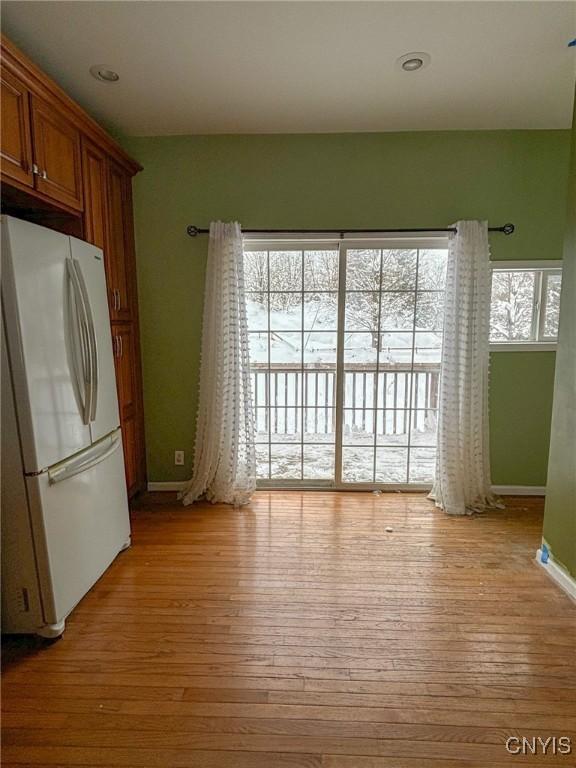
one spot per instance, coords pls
(412, 62)
(104, 74)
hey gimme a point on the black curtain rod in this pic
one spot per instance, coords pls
(193, 231)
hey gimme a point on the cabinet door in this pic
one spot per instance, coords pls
(57, 154)
(94, 174)
(16, 142)
(120, 243)
(128, 401)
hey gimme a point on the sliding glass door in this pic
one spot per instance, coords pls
(345, 345)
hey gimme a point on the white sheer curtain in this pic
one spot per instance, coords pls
(224, 454)
(462, 484)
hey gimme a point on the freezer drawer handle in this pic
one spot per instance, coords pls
(72, 468)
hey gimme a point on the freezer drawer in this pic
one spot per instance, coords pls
(79, 513)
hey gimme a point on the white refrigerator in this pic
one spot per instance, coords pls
(64, 504)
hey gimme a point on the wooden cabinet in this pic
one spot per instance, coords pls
(127, 364)
(56, 147)
(95, 180)
(16, 141)
(120, 244)
(61, 169)
(40, 146)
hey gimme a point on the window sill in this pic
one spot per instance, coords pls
(528, 346)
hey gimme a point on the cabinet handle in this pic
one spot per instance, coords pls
(117, 342)
(35, 169)
(117, 300)
(121, 346)
(44, 175)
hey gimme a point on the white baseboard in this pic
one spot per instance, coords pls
(519, 490)
(501, 490)
(564, 580)
(166, 486)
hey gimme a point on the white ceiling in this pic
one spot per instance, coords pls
(294, 67)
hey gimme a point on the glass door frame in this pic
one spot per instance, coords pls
(343, 244)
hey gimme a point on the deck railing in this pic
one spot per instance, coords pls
(284, 395)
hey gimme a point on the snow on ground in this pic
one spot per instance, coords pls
(284, 461)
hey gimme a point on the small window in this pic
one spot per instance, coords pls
(525, 305)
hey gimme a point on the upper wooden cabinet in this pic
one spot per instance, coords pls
(16, 140)
(56, 148)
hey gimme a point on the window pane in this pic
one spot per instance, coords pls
(256, 270)
(320, 348)
(285, 270)
(285, 348)
(259, 385)
(285, 386)
(360, 348)
(319, 425)
(358, 465)
(285, 311)
(285, 424)
(393, 427)
(362, 310)
(394, 389)
(432, 269)
(391, 465)
(422, 465)
(398, 270)
(359, 389)
(428, 347)
(395, 348)
(358, 426)
(318, 462)
(552, 305)
(429, 311)
(257, 311)
(286, 462)
(321, 270)
(397, 312)
(425, 386)
(320, 387)
(320, 311)
(512, 305)
(363, 269)
(424, 426)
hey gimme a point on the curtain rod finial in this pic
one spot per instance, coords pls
(508, 229)
(192, 230)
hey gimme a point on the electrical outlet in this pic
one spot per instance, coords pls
(179, 458)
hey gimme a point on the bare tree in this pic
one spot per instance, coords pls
(512, 305)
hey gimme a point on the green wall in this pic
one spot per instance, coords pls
(338, 181)
(560, 512)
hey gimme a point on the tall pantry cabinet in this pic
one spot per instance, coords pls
(62, 170)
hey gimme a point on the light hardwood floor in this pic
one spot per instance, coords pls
(298, 633)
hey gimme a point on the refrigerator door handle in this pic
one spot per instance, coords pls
(92, 346)
(82, 377)
(81, 464)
